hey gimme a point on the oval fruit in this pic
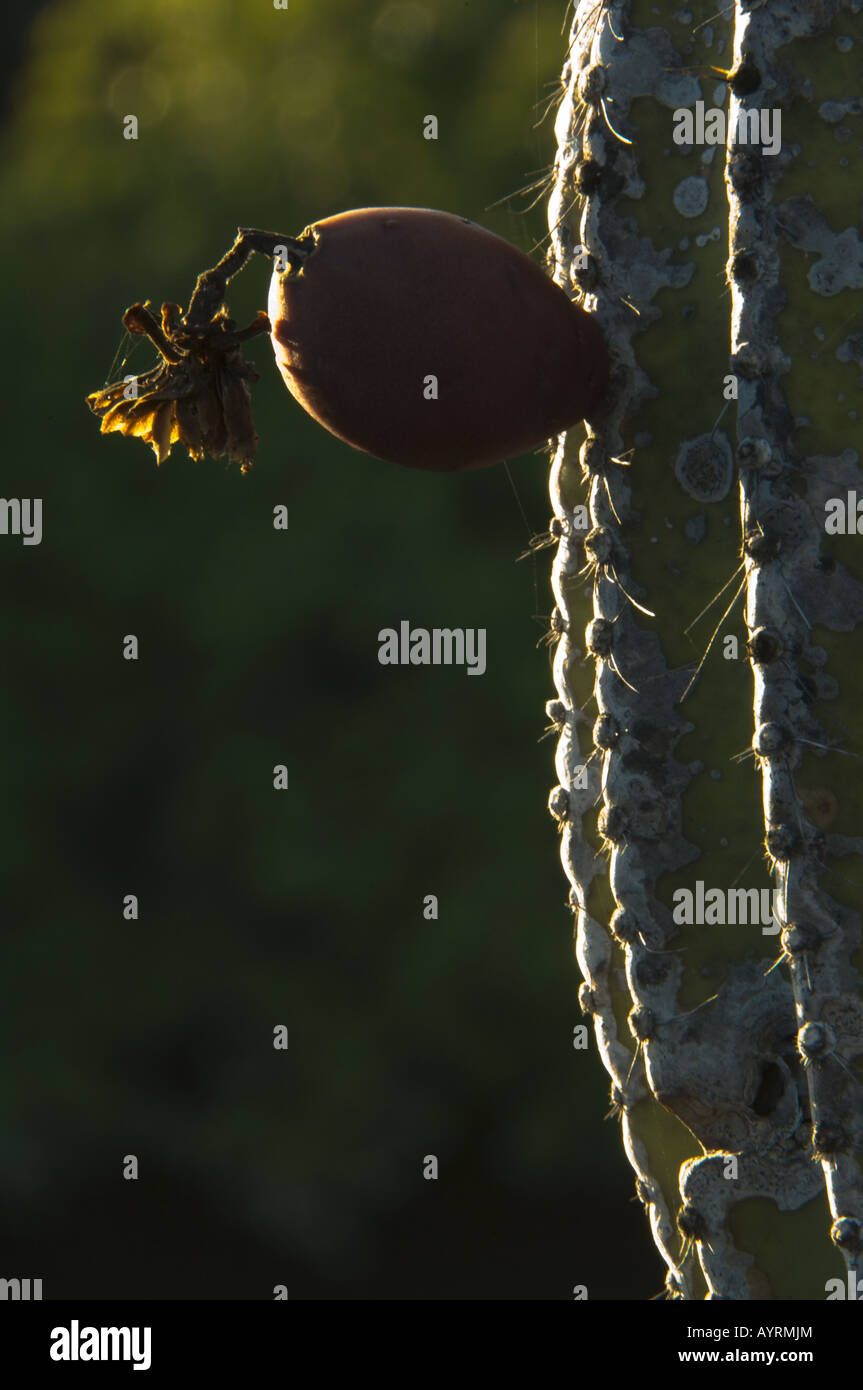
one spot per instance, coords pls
(392, 297)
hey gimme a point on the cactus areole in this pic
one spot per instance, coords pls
(413, 335)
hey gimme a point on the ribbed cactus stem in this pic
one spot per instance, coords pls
(790, 590)
(745, 1032)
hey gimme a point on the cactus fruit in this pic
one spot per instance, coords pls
(725, 275)
(392, 295)
(411, 334)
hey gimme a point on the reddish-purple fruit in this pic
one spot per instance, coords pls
(423, 339)
(411, 334)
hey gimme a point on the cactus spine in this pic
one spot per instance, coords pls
(734, 1047)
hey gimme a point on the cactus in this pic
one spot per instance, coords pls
(726, 277)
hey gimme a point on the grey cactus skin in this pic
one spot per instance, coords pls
(734, 1050)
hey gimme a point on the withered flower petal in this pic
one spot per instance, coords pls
(196, 396)
(190, 427)
(237, 413)
(163, 433)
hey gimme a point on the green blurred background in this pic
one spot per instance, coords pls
(259, 647)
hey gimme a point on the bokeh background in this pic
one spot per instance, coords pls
(154, 1037)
